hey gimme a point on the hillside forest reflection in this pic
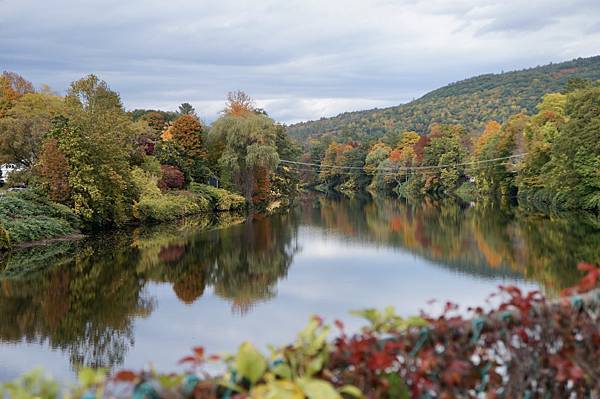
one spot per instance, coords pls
(83, 298)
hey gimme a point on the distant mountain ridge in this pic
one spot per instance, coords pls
(470, 102)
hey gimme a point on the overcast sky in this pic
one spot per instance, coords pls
(299, 59)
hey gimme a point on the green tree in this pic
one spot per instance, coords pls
(573, 171)
(540, 134)
(96, 139)
(187, 109)
(443, 154)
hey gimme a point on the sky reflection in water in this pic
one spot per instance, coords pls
(150, 295)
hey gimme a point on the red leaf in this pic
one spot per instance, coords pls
(125, 376)
(588, 267)
(576, 372)
(199, 351)
(188, 359)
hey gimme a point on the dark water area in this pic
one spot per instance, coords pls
(150, 294)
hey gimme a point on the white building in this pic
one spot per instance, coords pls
(6, 169)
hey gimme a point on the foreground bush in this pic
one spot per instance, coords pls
(523, 347)
(27, 216)
(221, 199)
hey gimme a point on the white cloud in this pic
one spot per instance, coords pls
(302, 59)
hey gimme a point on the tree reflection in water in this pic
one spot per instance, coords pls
(488, 239)
(83, 297)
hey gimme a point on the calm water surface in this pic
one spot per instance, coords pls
(149, 295)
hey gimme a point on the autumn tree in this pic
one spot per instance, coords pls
(53, 171)
(376, 155)
(187, 131)
(239, 104)
(23, 127)
(443, 155)
(156, 121)
(497, 142)
(12, 87)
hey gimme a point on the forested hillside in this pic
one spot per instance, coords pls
(471, 102)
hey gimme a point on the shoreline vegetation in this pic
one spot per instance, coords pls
(82, 163)
(93, 165)
(548, 161)
(522, 346)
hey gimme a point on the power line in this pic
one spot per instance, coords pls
(406, 167)
(396, 171)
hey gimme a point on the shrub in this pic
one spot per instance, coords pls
(27, 216)
(145, 183)
(172, 178)
(156, 206)
(222, 200)
(166, 207)
(151, 165)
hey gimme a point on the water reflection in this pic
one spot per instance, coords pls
(486, 239)
(83, 298)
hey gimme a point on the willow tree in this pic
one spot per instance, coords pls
(245, 149)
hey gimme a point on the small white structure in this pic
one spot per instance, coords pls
(7, 169)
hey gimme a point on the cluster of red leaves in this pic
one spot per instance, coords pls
(523, 347)
(172, 178)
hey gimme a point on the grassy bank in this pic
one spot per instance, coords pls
(26, 216)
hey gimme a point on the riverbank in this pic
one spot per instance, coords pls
(30, 219)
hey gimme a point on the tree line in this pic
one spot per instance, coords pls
(111, 166)
(548, 159)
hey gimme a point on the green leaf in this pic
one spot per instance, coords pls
(250, 363)
(88, 377)
(283, 371)
(170, 381)
(315, 365)
(351, 390)
(397, 388)
(317, 389)
(277, 390)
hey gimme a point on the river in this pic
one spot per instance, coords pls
(126, 299)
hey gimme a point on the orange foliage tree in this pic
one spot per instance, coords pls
(53, 171)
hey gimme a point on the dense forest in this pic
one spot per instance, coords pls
(470, 102)
(549, 159)
(82, 161)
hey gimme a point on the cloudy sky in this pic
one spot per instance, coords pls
(299, 59)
